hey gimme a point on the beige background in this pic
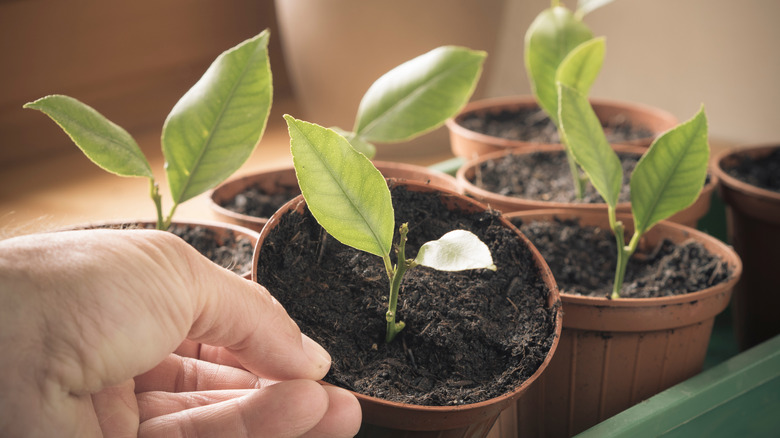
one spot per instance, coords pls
(675, 54)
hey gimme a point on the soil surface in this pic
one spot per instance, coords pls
(256, 202)
(583, 259)
(533, 125)
(543, 176)
(763, 172)
(469, 335)
(234, 253)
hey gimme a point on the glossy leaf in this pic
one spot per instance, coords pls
(553, 34)
(581, 66)
(345, 192)
(419, 95)
(457, 250)
(584, 136)
(215, 126)
(102, 141)
(670, 175)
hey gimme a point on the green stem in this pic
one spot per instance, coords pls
(579, 183)
(624, 252)
(169, 219)
(154, 192)
(622, 257)
(393, 327)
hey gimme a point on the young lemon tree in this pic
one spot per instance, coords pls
(667, 179)
(207, 136)
(350, 199)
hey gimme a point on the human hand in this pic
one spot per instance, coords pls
(88, 321)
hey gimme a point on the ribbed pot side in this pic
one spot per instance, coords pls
(753, 220)
(616, 353)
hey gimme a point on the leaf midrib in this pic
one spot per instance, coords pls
(338, 181)
(210, 137)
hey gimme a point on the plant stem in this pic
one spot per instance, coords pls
(393, 327)
(154, 192)
(579, 182)
(169, 219)
(622, 257)
(624, 252)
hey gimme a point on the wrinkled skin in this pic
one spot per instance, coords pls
(133, 333)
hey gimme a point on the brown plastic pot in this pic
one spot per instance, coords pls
(385, 418)
(221, 230)
(753, 220)
(508, 204)
(469, 144)
(616, 353)
(284, 178)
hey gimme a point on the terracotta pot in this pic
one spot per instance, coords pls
(385, 418)
(753, 220)
(273, 180)
(616, 353)
(221, 230)
(507, 204)
(469, 144)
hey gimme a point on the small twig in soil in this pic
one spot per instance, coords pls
(513, 304)
(426, 328)
(323, 243)
(408, 352)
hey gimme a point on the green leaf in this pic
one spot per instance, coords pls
(455, 251)
(360, 145)
(419, 95)
(584, 136)
(670, 175)
(553, 34)
(215, 126)
(345, 192)
(102, 141)
(582, 65)
(585, 7)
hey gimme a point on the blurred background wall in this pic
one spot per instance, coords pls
(675, 54)
(132, 60)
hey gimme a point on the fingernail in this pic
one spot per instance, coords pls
(317, 354)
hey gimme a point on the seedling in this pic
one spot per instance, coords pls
(667, 179)
(350, 199)
(207, 136)
(415, 97)
(559, 47)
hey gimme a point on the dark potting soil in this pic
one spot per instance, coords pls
(583, 259)
(256, 202)
(761, 172)
(469, 335)
(533, 125)
(234, 253)
(543, 177)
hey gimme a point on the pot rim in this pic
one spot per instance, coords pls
(726, 251)
(451, 413)
(733, 183)
(453, 123)
(224, 190)
(471, 188)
